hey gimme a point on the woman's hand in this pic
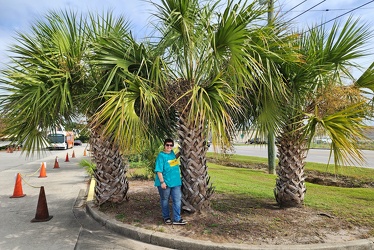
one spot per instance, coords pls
(163, 185)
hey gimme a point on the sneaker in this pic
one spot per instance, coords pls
(180, 222)
(167, 221)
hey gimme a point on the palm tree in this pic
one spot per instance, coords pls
(193, 76)
(51, 81)
(327, 59)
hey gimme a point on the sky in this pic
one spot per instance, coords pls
(18, 15)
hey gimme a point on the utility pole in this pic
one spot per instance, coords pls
(271, 135)
(270, 4)
(270, 11)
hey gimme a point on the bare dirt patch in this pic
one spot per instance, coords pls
(234, 219)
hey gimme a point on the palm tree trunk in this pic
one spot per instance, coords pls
(196, 191)
(290, 185)
(110, 174)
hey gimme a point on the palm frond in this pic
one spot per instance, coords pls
(345, 128)
(366, 80)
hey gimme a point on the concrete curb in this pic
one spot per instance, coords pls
(185, 243)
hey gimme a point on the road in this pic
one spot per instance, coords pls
(65, 191)
(314, 155)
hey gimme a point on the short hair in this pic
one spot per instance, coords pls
(168, 140)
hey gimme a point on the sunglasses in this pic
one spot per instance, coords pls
(169, 145)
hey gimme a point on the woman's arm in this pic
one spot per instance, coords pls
(162, 181)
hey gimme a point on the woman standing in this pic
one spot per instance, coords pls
(168, 181)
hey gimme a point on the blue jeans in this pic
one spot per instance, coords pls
(176, 197)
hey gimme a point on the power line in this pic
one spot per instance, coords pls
(345, 13)
(295, 7)
(324, 10)
(307, 10)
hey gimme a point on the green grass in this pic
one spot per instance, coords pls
(120, 217)
(369, 145)
(140, 173)
(361, 145)
(242, 181)
(240, 158)
(364, 174)
(353, 204)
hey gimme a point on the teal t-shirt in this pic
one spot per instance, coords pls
(168, 165)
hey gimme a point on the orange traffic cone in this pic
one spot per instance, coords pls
(43, 172)
(73, 155)
(84, 153)
(18, 192)
(67, 157)
(56, 163)
(42, 208)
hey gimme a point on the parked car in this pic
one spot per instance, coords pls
(255, 141)
(323, 140)
(77, 143)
